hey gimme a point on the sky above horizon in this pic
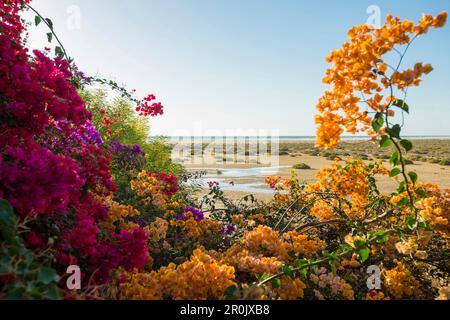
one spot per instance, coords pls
(224, 67)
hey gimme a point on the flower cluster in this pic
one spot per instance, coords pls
(253, 263)
(193, 213)
(239, 220)
(94, 165)
(351, 182)
(278, 183)
(266, 241)
(290, 289)
(54, 168)
(337, 287)
(158, 230)
(126, 157)
(119, 215)
(53, 180)
(301, 244)
(62, 137)
(117, 147)
(201, 232)
(155, 188)
(401, 283)
(147, 107)
(131, 248)
(324, 210)
(200, 278)
(358, 68)
(433, 207)
(151, 190)
(376, 295)
(33, 92)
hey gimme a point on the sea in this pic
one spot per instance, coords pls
(284, 138)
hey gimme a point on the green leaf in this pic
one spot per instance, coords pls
(14, 294)
(49, 37)
(8, 221)
(410, 222)
(229, 293)
(47, 275)
(425, 225)
(265, 276)
(360, 244)
(332, 264)
(304, 272)
(299, 263)
(394, 172)
(403, 202)
(413, 176)
(363, 254)
(345, 247)
(287, 270)
(407, 145)
(378, 122)
(401, 104)
(395, 159)
(49, 23)
(37, 20)
(383, 239)
(394, 132)
(385, 141)
(401, 187)
(378, 233)
(59, 52)
(276, 283)
(422, 193)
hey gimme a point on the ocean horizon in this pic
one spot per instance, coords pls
(289, 138)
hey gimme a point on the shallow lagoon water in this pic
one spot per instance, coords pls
(223, 175)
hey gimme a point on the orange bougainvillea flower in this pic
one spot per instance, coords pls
(360, 75)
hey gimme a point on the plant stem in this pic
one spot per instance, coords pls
(53, 32)
(323, 260)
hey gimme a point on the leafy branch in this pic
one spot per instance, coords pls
(360, 247)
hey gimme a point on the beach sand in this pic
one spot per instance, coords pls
(428, 172)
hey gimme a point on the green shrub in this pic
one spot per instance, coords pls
(301, 166)
(384, 157)
(433, 160)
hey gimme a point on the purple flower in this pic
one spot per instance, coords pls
(64, 136)
(117, 147)
(127, 157)
(141, 222)
(190, 212)
(230, 229)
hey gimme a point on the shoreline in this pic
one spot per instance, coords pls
(430, 160)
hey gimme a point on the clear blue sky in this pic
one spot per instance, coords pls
(237, 64)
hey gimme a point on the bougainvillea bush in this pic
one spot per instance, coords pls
(80, 185)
